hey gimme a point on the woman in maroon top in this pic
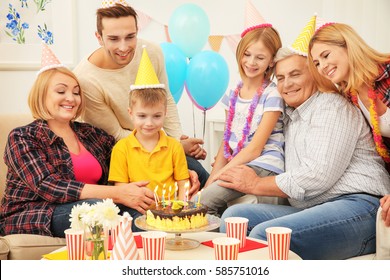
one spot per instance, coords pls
(55, 162)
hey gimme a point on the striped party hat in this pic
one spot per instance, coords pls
(253, 19)
(320, 23)
(49, 59)
(301, 43)
(125, 247)
(146, 76)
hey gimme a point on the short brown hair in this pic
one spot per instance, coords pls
(116, 11)
(38, 94)
(148, 96)
(270, 38)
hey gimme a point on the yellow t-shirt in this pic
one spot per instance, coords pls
(166, 164)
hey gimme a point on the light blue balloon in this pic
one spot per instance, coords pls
(189, 28)
(207, 79)
(176, 66)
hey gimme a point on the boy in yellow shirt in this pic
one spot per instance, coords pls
(148, 153)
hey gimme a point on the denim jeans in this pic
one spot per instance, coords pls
(60, 219)
(341, 228)
(195, 165)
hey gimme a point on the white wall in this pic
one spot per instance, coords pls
(371, 18)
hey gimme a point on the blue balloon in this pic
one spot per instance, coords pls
(189, 28)
(176, 66)
(207, 79)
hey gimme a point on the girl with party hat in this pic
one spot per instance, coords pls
(253, 128)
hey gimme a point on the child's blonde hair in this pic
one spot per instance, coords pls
(148, 97)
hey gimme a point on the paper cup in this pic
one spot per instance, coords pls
(153, 243)
(236, 227)
(226, 248)
(278, 239)
(75, 244)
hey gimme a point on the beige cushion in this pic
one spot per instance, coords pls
(382, 238)
(30, 246)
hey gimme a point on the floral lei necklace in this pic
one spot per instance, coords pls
(380, 147)
(227, 150)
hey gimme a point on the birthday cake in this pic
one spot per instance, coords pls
(177, 215)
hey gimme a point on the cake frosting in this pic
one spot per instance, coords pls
(177, 215)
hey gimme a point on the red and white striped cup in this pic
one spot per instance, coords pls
(75, 244)
(153, 243)
(237, 227)
(278, 239)
(226, 248)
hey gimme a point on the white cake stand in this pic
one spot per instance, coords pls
(178, 243)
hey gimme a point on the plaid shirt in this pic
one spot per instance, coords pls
(40, 174)
(382, 84)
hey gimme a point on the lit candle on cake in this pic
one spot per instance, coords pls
(176, 188)
(169, 193)
(156, 196)
(198, 203)
(163, 198)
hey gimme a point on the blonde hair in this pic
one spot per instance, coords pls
(38, 94)
(323, 84)
(148, 97)
(363, 60)
(270, 38)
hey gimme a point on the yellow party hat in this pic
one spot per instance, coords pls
(301, 44)
(146, 76)
(110, 3)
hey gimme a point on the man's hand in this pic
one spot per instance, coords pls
(192, 147)
(385, 204)
(195, 184)
(240, 178)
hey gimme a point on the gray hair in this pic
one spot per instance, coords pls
(283, 53)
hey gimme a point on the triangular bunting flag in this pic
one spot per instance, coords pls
(143, 20)
(215, 42)
(233, 41)
(125, 247)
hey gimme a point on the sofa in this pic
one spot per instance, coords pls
(21, 246)
(31, 247)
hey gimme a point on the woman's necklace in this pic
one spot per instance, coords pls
(380, 147)
(228, 152)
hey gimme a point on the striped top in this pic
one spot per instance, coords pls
(272, 156)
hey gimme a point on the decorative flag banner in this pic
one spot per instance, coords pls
(125, 247)
(143, 20)
(215, 42)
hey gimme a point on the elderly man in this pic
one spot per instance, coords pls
(334, 177)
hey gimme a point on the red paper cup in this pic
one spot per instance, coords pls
(75, 244)
(226, 248)
(236, 227)
(278, 242)
(153, 243)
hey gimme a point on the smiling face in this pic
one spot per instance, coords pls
(256, 60)
(147, 119)
(295, 83)
(63, 98)
(119, 40)
(331, 62)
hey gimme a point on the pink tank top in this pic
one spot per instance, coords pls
(86, 167)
